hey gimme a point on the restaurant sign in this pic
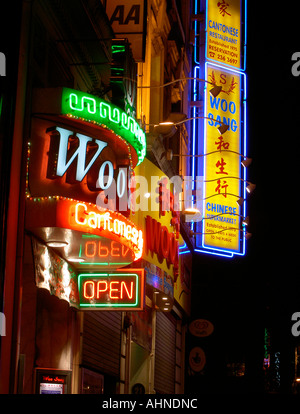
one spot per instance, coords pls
(224, 177)
(120, 290)
(225, 32)
(80, 163)
(93, 109)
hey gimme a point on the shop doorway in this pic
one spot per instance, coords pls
(139, 369)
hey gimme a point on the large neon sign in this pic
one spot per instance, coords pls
(68, 163)
(93, 109)
(221, 231)
(86, 218)
(223, 173)
(118, 290)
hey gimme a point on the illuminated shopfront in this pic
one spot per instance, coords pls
(99, 241)
(69, 173)
(86, 286)
(80, 163)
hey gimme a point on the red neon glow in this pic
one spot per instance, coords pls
(101, 287)
(96, 248)
(51, 379)
(90, 249)
(124, 285)
(109, 222)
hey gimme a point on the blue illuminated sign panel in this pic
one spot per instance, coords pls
(221, 231)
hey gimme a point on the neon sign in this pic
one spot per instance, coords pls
(114, 225)
(220, 233)
(58, 154)
(98, 248)
(119, 290)
(93, 109)
(47, 378)
(65, 213)
(78, 159)
(104, 252)
(222, 168)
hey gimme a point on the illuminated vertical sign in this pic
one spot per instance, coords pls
(120, 290)
(225, 32)
(222, 231)
(224, 177)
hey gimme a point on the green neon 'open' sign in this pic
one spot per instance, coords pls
(92, 108)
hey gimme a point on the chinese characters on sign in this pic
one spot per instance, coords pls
(224, 37)
(223, 7)
(223, 166)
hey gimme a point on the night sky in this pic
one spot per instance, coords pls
(242, 296)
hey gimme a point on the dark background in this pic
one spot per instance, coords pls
(243, 296)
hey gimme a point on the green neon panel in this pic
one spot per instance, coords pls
(118, 48)
(92, 108)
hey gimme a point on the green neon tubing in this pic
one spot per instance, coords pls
(91, 108)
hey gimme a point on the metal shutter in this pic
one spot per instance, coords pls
(102, 341)
(165, 345)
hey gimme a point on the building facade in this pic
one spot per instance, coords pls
(95, 284)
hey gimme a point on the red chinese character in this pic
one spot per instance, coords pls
(221, 185)
(221, 165)
(223, 6)
(222, 144)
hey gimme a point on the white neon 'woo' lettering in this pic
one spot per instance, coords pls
(81, 170)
